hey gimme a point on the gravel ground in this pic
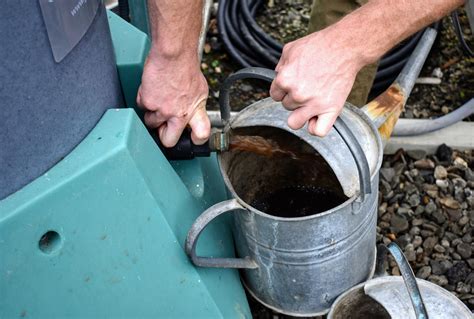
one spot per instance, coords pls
(426, 202)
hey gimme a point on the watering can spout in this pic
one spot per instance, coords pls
(385, 109)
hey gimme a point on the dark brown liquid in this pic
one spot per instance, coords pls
(298, 201)
(260, 145)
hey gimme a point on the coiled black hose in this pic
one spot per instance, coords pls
(249, 45)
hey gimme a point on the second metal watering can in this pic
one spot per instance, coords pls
(299, 266)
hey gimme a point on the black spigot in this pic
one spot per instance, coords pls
(186, 149)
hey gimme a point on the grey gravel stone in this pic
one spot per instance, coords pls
(440, 267)
(399, 223)
(438, 248)
(424, 272)
(464, 250)
(429, 243)
(430, 208)
(438, 280)
(417, 241)
(387, 173)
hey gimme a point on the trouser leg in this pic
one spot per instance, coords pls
(327, 12)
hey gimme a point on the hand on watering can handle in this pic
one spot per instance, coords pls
(315, 77)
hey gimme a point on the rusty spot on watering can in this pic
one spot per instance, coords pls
(386, 109)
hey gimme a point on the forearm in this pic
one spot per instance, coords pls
(379, 25)
(175, 28)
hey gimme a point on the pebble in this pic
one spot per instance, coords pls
(444, 153)
(438, 280)
(440, 267)
(441, 183)
(399, 223)
(440, 172)
(458, 272)
(459, 161)
(464, 250)
(429, 243)
(430, 208)
(387, 173)
(416, 154)
(463, 288)
(438, 248)
(417, 241)
(424, 272)
(426, 164)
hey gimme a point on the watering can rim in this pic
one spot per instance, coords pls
(347, 202)
(352, 193)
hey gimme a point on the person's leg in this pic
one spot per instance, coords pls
(327, 12)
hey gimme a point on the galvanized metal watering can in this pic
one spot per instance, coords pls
(397, 297)
(299, 266)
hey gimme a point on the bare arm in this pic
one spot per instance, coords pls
(316, 73)
(173, 90)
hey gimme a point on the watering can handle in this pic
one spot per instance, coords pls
(340, 125)
(407, 274)
(201, 222)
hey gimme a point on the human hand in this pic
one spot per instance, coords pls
(173, 94)
(315, 75)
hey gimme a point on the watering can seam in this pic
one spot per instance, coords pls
(364, 222)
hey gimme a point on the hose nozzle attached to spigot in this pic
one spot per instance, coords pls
(219, 141)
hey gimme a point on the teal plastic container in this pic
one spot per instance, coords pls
(101, 234)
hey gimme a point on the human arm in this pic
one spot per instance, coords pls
(173, 91)
(316, 72)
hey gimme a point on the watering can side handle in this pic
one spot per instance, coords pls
(198, 226)
(246, 73)
(407, 274)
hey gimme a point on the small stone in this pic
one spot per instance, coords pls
(424, 164)
(430, 208)
(463, 220)
(414, 231)
(398, 223)
(456, 256)
(438, 280)
(387, 173)
(463, 288)
(459, 182)
(445, 243)
(470, 262)
(424, 272)
(444, 153)
(450, 202)
(440, 267)
(438, 248)
(445, 109)
(417, 241)
(437, 73)
(464, 250)
(395, 271)
(414, 200)
(416, 154)
(438, 217)
(417, 222)
(419, 210)
(410, 252)
(458, 272)
(429, 243)
(469, 175)
(467, 238)
(454, 215)
(459, 161)
(440, 172)
(442, 183)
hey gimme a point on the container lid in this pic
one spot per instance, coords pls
(332, 147)
(392, 294)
